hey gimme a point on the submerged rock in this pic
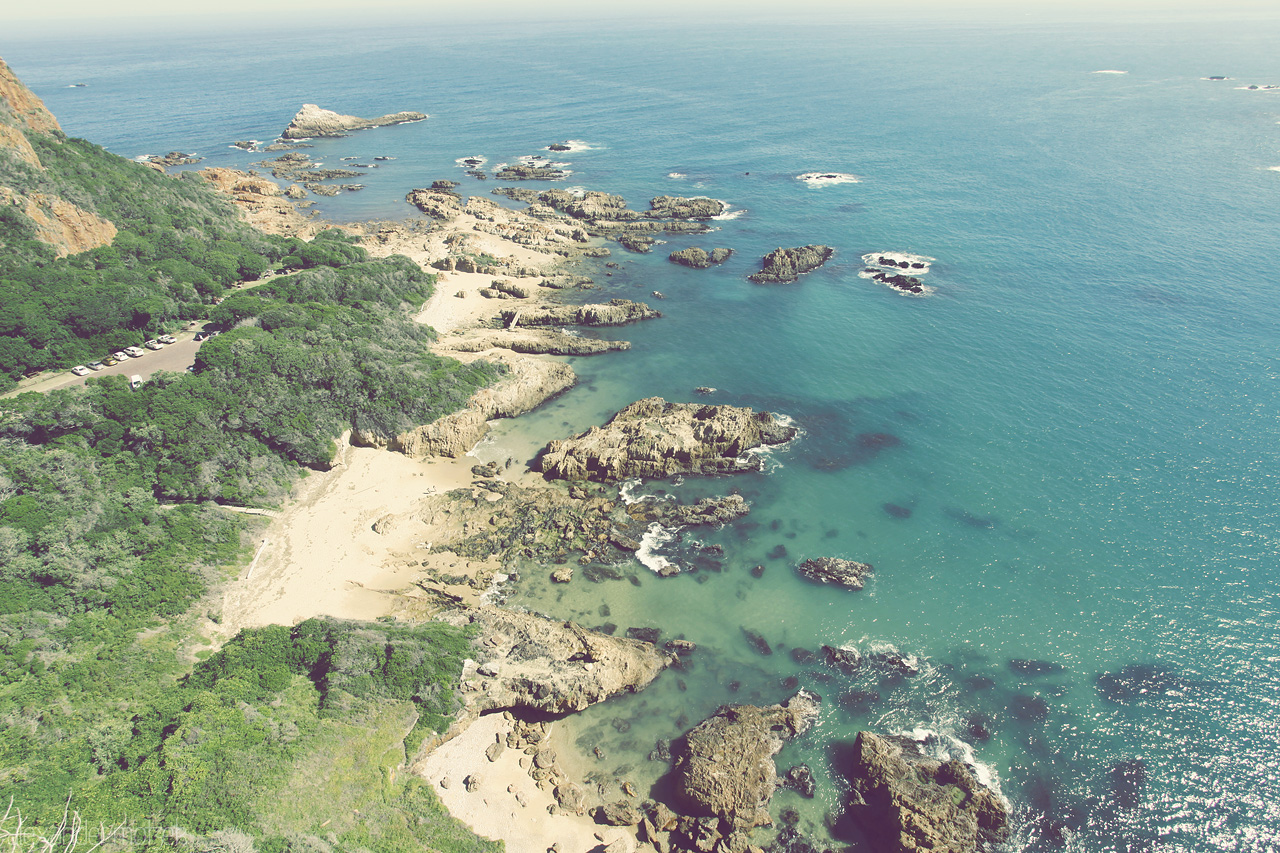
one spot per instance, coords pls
(654, 438)
(782, 266)
(1140, 681)
(725, 767)
(311, 121)
(904, 801)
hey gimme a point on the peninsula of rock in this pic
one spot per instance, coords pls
(313, 121)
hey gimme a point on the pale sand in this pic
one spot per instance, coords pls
(493, 811)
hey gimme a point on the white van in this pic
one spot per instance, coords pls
(135, 382)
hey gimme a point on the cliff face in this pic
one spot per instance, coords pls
(61, 224)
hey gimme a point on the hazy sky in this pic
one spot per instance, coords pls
(156, 11)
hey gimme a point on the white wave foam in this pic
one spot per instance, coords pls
(580, 145)
(494, 593)
(895, 261)
(627, 491)
(655, 537)
(826, 179)
(730, 213)
(142, 158)
(1254, 87)
(676, 176)
(945, 746)
(1274, 168)
(1110, 71)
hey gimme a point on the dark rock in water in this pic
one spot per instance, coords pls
(604, 610)
(757, 571)
(444, 186)
(897, 511)
(846, 659)
(832, 570)
(681, 647)
(1035, 667)
(783, 266)
(700, 259)
(790, 840)
(978, 728)
(1129, 782)
(757, 641)
(803, 656)
(648, 635)
(559, 146)
(521, 172)
(1031, 709)
(704, 389)
(979, 682)
(859, 701)
(902, 283)
(661, 751)
(970, 520)
(905, 801)
(791, 682)
(800, 779)
(777, 552)
(607, 628)
(734, 686)
(598, 573)
(1140, 681)
(638, 243)
(874, 442)
(725, 768)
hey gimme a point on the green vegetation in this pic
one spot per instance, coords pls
(113, 546)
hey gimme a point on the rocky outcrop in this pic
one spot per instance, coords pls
(173, 158)
(605, 215)
(436, 203)
(531, 663)
(715, 511)
(65, 227)
(522, 172)
(528, 384)
(898, 281)
(654, 438)
(906, 802)
(311, 121)
(618, 312)
(20, 107)
(782, 266)
(724, 768)
(846, 573)
(260, 202)
(699, 259)
(296, 166)
(678, 207)
(539, 342)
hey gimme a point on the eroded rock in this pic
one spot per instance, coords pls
(782, 266)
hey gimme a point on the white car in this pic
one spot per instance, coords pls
(167, 339)
(153, 344)
(134, 352)
(120, 356)
(80, 370)
(97, 365)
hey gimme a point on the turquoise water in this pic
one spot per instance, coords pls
(1085, 408)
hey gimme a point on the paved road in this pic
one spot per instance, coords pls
(174, 358)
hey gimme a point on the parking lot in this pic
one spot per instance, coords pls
(174, 357)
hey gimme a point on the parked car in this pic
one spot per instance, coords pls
(80, 370)
(167, 339)
(134, 352)
(111, 361)
(120, 356)
(153, 344)
(97, 365)
(135, 382)
(200, 336)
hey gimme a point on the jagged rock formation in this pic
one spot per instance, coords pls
(296, 166)
(529, 384)
(521, 172)
(906, 802)
(846, 573)
(311, 121)
(618, 312)
(782, 266)
(679, 207)
(260, 202)
(699, 259)
(708, 511)
(725, 769)
(539, 342)
(173, 158)
(21, 111)
(531, 663)
(654, 438)
(436, 203)
(605, 215)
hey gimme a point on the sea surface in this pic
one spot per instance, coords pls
(1067, 453)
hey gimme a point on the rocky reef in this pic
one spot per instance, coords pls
(699, 259)
(173, 158)
(529, 663)
(530, 172)
(832, 570)
(617, 312)
(906, 802)
(724, 767)
(654, 438)
(605, 215)
(783, 266)
(312, 120)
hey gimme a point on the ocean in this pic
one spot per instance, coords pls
(1066, 454)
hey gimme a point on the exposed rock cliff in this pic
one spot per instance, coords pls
(531, 663)
(529, 383)
(782, 266)
(20, 107)
(654, 438)
(311, 121)
(725, 766)
(65, 227)
(906, 802)
(260, 201)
